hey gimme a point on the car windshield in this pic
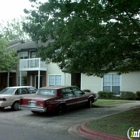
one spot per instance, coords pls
(7, 91)
(46, 92)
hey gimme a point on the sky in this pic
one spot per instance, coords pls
(10, 9)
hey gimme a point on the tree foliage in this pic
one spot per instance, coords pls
(8, 58)
(88, 36)
(13, 30)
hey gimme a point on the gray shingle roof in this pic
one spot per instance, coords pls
(20, 45)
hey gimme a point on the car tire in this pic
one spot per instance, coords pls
(35, 112)
(89, 103)
(1, 108)
(16, 106)
(60, 109)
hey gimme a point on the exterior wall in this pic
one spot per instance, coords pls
(13, 81)
(92, 83)
(53, 69)
(4, 79)
(131, 82)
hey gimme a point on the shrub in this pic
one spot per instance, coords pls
(138, 95)
(128, 95)
(86, 90)
(105, 95)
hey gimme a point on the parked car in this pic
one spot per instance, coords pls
(11, 96)
(57, 99)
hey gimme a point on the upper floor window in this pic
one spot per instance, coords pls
(111, 82)
(32, 54)
(23, 55)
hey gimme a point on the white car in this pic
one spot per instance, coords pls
(11, 96)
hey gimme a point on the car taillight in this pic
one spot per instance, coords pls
(2, 99)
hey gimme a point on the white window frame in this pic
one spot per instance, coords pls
(55, 79)
(111, 84)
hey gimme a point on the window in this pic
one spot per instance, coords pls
(77, 92)
(67, 92)
(46, 92)
(55, 80)
(111, 82)
(23, 55)
(22, 91)
(33, 54)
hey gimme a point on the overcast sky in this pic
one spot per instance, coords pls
(10, 9)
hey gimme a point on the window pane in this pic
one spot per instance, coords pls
(107, 80)
(23, 55)
(111, 82)
(116, 80)
(55, 80)
(51, 80)
(58, 80)
(106, 88)
(116, 89)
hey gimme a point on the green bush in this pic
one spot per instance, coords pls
(128, 95)
(105, 95)
(86, 90)
(138, 95)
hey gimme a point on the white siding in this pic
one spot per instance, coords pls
(131, 82)
(53, 69)
(93, 83)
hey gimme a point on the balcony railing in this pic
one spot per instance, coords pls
(32, 64)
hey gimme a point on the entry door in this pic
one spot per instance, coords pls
(36, 81)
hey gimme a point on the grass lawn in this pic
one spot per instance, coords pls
(117, 124)
(104, 102)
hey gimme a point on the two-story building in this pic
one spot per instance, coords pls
(30, 71)
(35, 72)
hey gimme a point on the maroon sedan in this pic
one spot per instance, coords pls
(57, 99)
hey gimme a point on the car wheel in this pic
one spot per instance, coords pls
(16, 106)
(89, 103)
(1, 108)
(35, 112)
(60, 109)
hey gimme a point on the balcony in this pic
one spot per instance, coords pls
(32, 64)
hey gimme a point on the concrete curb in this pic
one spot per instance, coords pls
(91, 134)
(82, 130)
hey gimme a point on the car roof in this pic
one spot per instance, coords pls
(19, 86)
(56, 87)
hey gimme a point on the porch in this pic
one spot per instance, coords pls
(34, 68)
(32, 64)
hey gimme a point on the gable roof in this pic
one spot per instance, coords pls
(21, 45)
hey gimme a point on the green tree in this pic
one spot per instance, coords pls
(8, 58)
(87, 36)
(13, 30)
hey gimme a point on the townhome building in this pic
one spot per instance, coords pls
(32, 71)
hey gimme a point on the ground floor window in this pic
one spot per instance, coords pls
(111, 82)
(55, 80)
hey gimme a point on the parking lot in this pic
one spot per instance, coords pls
(58, 124)
(54, 123)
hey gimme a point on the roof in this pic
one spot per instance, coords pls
(20, 45)
(56, 87)
(19, 87)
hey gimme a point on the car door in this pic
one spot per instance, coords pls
(69, 97)
(17, 95)
(80, 96)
